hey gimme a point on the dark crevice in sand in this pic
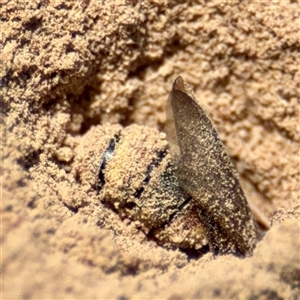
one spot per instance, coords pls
(195, 254)
(29, 160)
(71, 208)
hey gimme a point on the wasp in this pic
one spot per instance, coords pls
(180, 188)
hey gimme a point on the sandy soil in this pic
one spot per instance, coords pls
(74, 74)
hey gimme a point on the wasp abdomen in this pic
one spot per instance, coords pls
(136, 177)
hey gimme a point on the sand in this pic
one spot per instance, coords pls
(74, 74)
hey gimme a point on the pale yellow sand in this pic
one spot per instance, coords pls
(67, 67)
